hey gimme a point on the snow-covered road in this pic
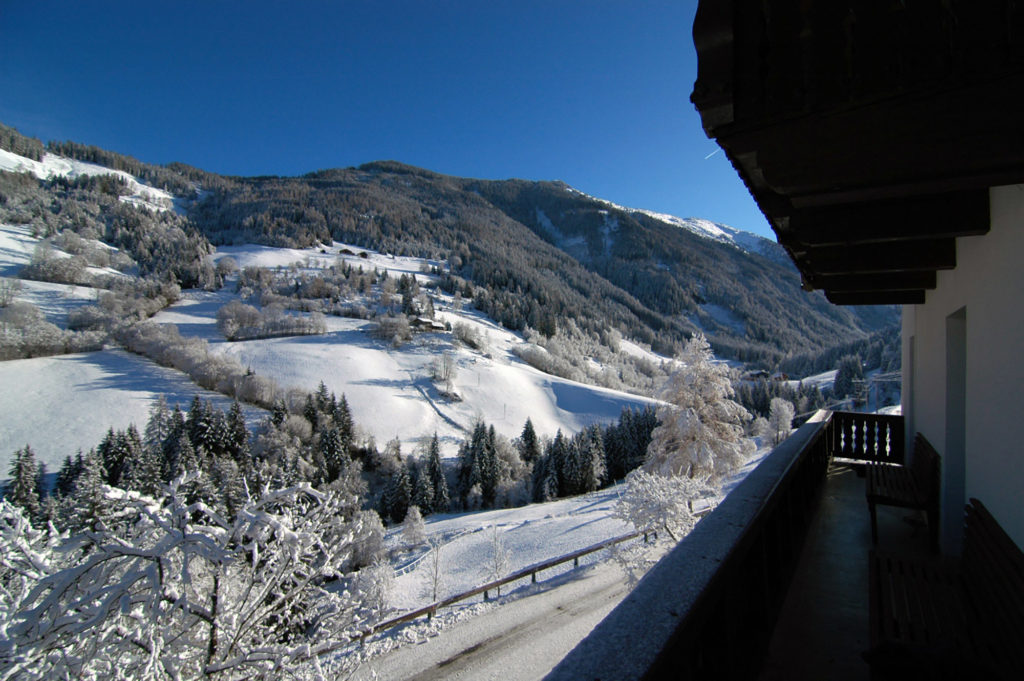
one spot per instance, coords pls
(519, 640)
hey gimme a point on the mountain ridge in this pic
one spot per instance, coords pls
(536, 254)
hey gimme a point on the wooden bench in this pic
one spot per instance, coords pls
(960, 619)
(914, 486)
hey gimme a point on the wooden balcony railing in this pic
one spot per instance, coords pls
(708, 609)
(866, 437)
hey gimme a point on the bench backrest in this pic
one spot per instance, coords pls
(925, 467)
(992, 569)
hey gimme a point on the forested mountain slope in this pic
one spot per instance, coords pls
(538, 253)
(530, 254)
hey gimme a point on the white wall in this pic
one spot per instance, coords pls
(988, 283)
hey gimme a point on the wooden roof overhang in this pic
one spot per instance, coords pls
(867, 132)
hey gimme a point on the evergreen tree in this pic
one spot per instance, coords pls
(435, 471)
(590, 460)
(42, 488)
(849, 370)
(112, 455)
(558, 461)
(176, 440)
(90, 508)
(145, 474)
(158, 427)
(309, 411)
(68, 473)
(278, 413)
(469, 462)
(423, 491)
(238, 437)
(343, 420)
(545, 480)
(333, 453)
(529, 447)
(22, 490)
(397, 495)
(489, 474)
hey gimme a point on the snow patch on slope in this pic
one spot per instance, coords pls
(54, 165)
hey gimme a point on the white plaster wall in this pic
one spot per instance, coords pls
(989, 282)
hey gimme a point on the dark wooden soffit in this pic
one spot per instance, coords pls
(868, 133)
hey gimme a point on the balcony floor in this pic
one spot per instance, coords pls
(823, 627)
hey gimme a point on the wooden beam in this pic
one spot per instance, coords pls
(900, 256)
(953, 132)
(879, 281)
(925, 217)
(876, 298)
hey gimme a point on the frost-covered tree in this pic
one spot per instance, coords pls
(660, 506)
(414, 530)
(701, 430)
(181, 594)
(780, 419)
(435, 583)
(500, 559)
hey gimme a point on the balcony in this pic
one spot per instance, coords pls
(773, 584)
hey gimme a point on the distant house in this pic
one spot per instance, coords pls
(427, 324)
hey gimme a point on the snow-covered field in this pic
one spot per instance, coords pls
(389, 389)
(530, 535)
(61, 404)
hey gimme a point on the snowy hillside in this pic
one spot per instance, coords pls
(389, 389)
(54, 165)
(67, 403)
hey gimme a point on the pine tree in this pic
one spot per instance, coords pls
(423, 491)
(90, 508)
(145, 474)
(397, 495)
(590, 460)
(22, 489)
(67, 475)
(238, 437)
(158, 427)
(334, 455)
(489, 474)
(112, 457)
(343, 420)
(309, 411)
(558, 462)
(529, 447)
(437, 478)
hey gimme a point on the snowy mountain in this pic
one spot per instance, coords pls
(716, 231)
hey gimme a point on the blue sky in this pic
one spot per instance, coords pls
(593, 93)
